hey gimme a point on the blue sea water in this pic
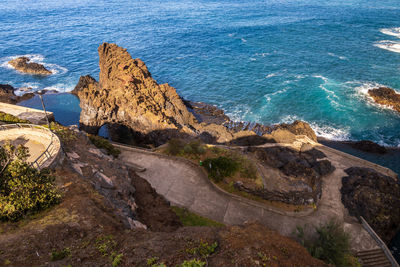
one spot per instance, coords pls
(264, 61)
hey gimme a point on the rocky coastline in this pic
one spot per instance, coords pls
(128, 100)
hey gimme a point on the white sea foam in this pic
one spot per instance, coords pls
(330, 132)
(337, 56)
(262, 54)
(243, 40)
(389, 45)
(271, 75)
(391, 31)
(60, 87)
(37, 58)
(326, 131)
(269, 96)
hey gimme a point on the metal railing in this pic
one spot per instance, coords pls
(47, 154)
(381, 244)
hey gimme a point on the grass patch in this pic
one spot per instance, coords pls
(10, 119)
(191, 219)
(103, 143)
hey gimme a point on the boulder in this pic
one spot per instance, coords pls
(299, 128)
(22, 64)
(386, 96)
(376, 197)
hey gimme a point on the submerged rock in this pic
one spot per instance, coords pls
(386, 96)
(376, 197)
(22, 64)
(369, 146)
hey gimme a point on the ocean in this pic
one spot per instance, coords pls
(261, 61)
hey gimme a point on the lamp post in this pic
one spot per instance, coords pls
(41, 93)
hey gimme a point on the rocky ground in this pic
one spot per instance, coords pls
(108, 213)
(22, 64)
(290, 176)
(376, 197)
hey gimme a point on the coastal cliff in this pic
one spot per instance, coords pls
(127, 98)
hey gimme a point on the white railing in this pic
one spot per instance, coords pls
(49, 151)
(378, 240)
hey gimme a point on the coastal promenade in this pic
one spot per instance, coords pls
(36, 116)
(185, 184)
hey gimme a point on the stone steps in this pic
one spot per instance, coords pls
(373, 258)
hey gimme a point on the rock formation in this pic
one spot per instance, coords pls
(386, 96)
(291, 176)
(7, 95)
(368, 146)
(374, 196)
(22, 64)
(128, 100)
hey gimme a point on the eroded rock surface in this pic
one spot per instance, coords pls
(22, 64)
(292, 177)
(386, 96)
(376, 197)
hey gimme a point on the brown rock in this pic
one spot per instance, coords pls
(7, 95)
(386, 96)
(134, 106)
(299, 128)
(22, 64)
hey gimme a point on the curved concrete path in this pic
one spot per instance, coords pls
(185, 184)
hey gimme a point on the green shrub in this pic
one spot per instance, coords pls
(23, 189)
(59, 255)
(221, 167)
(193, 263)
(9, 119)
(102, 143)
(330, 245)
(177, 147)
(65, 134)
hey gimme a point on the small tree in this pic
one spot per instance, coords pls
(23, 189)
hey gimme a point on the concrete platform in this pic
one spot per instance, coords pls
(35, 116)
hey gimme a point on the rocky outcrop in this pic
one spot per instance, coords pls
(376, 197)
(386, 96)
(292, 177)
(369, 146)
(7, 95)
(128, 100)
(22, 64)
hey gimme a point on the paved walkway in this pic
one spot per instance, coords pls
(185, 184)
(35, 116)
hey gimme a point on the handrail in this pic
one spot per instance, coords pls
(42, 158)
(378, 240)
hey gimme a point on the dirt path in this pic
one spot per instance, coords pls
(185, 184)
